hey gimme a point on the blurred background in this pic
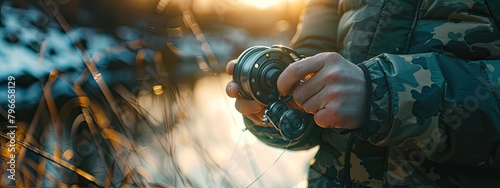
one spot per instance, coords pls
(131, 93)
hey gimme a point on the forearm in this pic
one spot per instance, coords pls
(317, 30)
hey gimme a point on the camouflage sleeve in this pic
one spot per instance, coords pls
(445, 107)
(316, 32)
(272, 137)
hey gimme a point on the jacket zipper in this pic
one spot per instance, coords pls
(413, 25)
(347, 160)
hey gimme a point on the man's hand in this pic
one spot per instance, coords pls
(249, 108)
(335, 94)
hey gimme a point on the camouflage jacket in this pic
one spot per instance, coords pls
(434, 112)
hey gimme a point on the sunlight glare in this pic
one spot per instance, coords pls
(263, 4)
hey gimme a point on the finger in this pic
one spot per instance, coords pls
(298, 71)
(246, 107)
(232, 90)
(325, 118)
(292, 104)
(304, 91)
(230, 67)
(318, 101)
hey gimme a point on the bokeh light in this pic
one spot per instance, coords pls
(136, 92)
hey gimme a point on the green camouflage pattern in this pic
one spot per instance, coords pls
(434, 69)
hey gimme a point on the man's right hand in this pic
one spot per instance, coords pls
(249, 108)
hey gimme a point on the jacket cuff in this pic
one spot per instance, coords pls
(377, 115)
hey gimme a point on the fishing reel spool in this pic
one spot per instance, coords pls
(256, 72)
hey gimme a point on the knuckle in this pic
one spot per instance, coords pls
(322, 120)
(334, 56)
(246, 107)
(331, 56)
(332, 75)
(309, 108)
(293, 70)
(241, 106)
(298, 97)
(335, 113)
(334, 117)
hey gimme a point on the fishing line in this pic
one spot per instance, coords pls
(275, 161)
(231, 159)
(236, 146)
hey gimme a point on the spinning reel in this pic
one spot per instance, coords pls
(256, 72)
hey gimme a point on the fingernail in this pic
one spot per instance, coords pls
(256, 106)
